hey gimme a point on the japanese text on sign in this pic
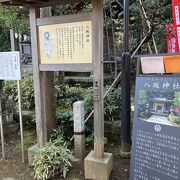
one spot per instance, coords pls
(10, 68)
(156, 138)
(66, 43)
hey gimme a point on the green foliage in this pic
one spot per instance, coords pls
(14, 18)
(4, 39)
(52, 159)
(27, 92)
(174, 119)
(112, 103)
(176, 100)
(29, 139)
(142, 98)
(65, 119)
(66, 95)
(159, 14)
(89, 140)
(71, 8)
(88, 100)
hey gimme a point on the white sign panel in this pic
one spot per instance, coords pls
(10, 66)
(78, 114)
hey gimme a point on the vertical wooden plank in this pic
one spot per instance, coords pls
(98, 78)
(44, 87)
(48, 101)
(40, 124)
(48, 90)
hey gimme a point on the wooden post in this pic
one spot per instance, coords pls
(98, 78)
(98, 164)
(44, 87)
(48, 90)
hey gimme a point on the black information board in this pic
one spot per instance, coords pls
(156, 131)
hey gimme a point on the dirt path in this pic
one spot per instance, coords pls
(12, 169)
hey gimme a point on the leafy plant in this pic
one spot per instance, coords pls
(90, 139)
(27, 92)
(52, 159)
(174, 119)
(14, 18)
(111, 103)
(66, 95)
(176, 100)
(65, 120)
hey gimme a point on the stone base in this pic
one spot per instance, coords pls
(126, 155)
(79, 146)
(98, 168)
(125, 151)
(31, 151)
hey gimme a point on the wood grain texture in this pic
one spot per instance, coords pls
(66, 67)
(40, 126)
(65, 19)
(44, 87)
(98, 77)
(48, 90)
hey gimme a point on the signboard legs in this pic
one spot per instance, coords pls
(98, 165)
(43, 85)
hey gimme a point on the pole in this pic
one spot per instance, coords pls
(1, 124)
(19, 99)
(20, 119)
(126, 112)
(98, 83)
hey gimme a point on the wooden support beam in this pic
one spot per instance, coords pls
(40, 126)
(37, 3)
(98, 78)
(48, 90)
(43, 85)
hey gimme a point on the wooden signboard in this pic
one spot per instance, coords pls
(156, 137)
(10, 68)
(67, 43)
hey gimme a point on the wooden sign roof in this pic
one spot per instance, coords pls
(38, 3)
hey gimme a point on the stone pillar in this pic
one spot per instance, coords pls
(79, 128)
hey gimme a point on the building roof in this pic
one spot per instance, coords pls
(34, 3)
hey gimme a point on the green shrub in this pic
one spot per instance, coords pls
(27, 92)
(174, 119)
(111, 103)
(66, 95)
(52, 159)
(65, 120)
